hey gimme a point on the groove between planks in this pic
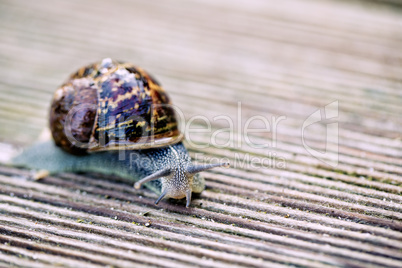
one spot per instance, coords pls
(87, 198)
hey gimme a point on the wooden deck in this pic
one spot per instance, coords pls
(311, 200)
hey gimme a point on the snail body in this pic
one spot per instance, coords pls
(114, 118)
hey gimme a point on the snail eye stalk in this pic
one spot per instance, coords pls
(198, 168)
(161, 173)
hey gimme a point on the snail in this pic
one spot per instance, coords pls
(114, 118)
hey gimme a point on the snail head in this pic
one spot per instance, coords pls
(178, 182)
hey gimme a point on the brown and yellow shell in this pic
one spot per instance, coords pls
(110, 104)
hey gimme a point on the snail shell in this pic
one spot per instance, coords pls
(111, 104)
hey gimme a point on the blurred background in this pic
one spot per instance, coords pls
(287, 59)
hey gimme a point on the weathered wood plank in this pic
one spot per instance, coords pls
(236, 59)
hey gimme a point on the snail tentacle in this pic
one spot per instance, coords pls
(161, 173)
(188, 198)
(161, 196)
(198, 168)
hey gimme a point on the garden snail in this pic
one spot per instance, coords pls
(111, 105)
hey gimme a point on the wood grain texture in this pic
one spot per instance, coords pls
(276, 207)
